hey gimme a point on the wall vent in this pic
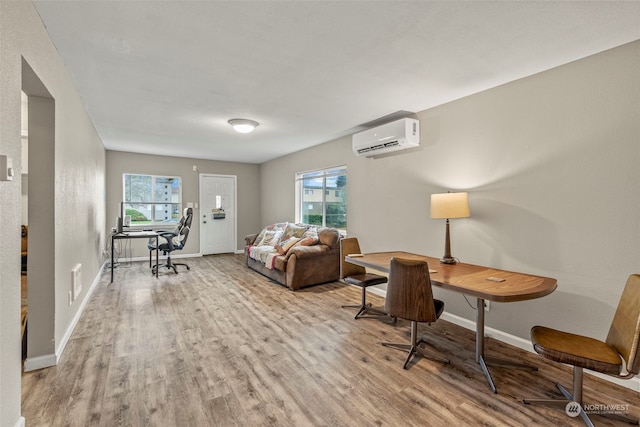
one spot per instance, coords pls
(76, 281)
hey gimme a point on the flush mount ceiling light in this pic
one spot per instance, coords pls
(243, 125)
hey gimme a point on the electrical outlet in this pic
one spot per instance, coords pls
(487, 305)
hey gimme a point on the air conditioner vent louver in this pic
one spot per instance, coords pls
(398, 135)
(378, 147)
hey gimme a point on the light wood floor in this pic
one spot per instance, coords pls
(220, 345)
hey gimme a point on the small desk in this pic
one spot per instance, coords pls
(133, 235)
(472, 280)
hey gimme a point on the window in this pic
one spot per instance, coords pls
(151, 199)
(326, 207)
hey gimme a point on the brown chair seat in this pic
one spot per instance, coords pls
(621, 345)
(366, 279)
(357, 275)
(576, 350)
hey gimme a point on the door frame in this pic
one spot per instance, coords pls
(201, 176)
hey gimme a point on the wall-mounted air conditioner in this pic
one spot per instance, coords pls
(398, 135)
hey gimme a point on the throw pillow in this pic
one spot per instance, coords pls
(295, 230)
(284, 245)
(307, 241)
(311, 232)
(268, 239)
(259, 237)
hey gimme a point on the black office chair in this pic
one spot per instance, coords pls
(187, 217)
(172, 243)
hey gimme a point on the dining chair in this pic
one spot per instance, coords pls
(357, 275)
(617, 356)
(410, 297)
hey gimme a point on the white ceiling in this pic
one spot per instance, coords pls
(164, 77)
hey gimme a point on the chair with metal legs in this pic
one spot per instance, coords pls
(172, 243)
(410, 297)
(187, 217)
(358, 276)
(617, 356)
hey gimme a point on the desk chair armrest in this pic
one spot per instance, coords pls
(168, 236)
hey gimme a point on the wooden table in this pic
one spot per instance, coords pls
(472, 280)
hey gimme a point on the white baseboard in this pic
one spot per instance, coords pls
(40, 362)
(65, 339)
(20, 422)
(521, 343)
(48, 360)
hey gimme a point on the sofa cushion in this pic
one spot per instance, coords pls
(261, 253)
(280, 263)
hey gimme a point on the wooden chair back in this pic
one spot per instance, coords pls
(409, 293)
(349, 245)
(624, 333)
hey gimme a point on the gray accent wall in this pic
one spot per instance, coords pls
(552, 166)
(248, 203)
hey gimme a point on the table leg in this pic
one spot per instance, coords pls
(112, 239)
(491, 361)
(480, 342)
(157, 250)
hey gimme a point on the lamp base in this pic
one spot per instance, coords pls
(448, 260)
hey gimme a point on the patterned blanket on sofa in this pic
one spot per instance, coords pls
(277, 239)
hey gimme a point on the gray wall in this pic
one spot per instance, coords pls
(552, 167)
(551, 163)
(248, 209)
(76, 210)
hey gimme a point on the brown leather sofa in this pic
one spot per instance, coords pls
(301, 266)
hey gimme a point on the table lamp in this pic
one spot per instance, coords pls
(446, 206)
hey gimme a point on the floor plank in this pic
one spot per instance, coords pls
(220, 345)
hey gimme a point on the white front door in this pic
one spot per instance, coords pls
(217, 214)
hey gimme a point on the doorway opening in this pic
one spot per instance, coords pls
(38, 209)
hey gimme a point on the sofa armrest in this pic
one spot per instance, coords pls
(307, 251)
(250, 238)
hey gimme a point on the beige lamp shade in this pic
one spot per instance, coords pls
(450, 205)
